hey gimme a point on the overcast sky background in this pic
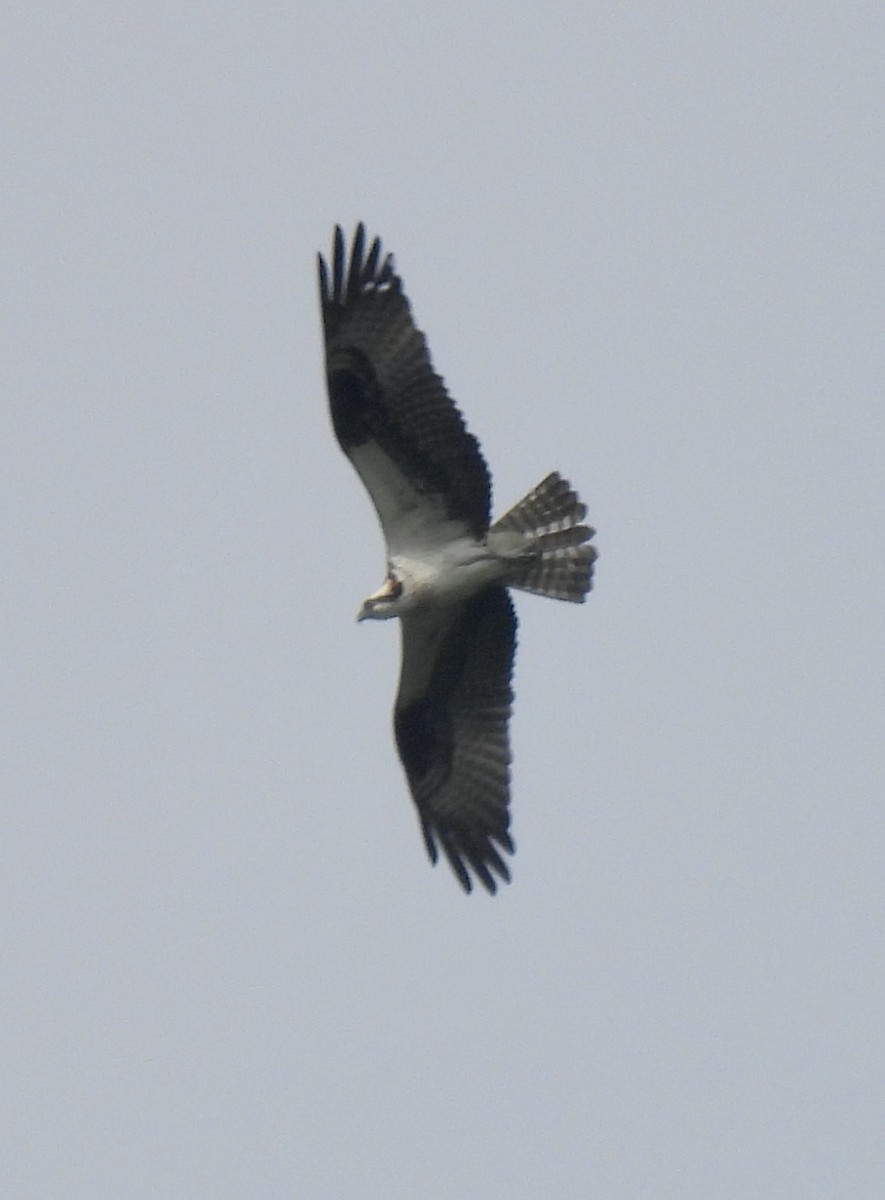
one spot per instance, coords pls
(646, 244)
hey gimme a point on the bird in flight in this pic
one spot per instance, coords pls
(448, 567)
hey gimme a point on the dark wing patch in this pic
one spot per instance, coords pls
(453, 738)
(382, 386)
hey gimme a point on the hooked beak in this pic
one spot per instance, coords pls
(387, 591)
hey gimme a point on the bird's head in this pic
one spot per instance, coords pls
(384, 603)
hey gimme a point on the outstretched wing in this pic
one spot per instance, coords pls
(391, 413)
(451, 719)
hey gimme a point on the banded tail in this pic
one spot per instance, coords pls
(559, 561)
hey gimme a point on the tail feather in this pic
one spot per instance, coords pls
(558, 561)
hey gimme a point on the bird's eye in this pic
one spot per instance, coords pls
(396, 588)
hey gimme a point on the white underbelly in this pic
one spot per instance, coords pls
(451, 573)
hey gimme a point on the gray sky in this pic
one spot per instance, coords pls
(646, 244)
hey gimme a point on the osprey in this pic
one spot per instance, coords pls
(448, 567)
